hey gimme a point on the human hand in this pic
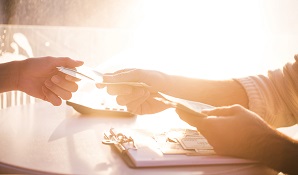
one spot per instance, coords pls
(40, 78)
(231, 130)
(138, 100)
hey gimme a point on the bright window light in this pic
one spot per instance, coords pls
(210, 39)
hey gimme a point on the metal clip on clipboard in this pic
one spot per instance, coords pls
(150, 154)
(119, 140)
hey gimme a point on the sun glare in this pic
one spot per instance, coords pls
(210, 39)
(207, 39)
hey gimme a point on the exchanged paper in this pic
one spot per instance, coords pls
(89, 74)
(186, 105)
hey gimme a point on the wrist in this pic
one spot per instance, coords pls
(280, 153)
(9, 76)
(17, 74)
(288, 156)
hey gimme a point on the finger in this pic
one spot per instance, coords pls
(136, 93)
(189, 118)
(126, 75)
(119, 89)
(64, 84)
(151, 106)
(51, 97)
(67, 77)
(123, 70)
(223, 111)
(67, 62)
(58, 91)
(71, 78)
(120, 71)
(136, 105)
(209, 126)
(100, 86)
(156, 81)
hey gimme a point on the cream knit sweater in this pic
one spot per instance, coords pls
(275, 96)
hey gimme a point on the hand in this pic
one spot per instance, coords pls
(40, 78)
(138, 100)
(232, 130)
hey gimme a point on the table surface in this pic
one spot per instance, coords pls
(42, 139)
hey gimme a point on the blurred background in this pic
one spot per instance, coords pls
(209, 39)
(214, 39)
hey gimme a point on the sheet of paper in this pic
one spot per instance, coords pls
(186, 105)
(89, 74)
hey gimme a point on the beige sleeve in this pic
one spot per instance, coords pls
(274, 96)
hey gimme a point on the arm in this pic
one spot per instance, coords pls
(8, 73)
(280, 152)
(213, 92)
(274, 96)
(39, 78)
(141, 100)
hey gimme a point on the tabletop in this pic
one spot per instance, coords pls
(42, 139)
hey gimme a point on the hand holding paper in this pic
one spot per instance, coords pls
(89, 74)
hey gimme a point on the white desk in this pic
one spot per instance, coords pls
(58, 140)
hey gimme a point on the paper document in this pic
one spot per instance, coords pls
(174, 147)
(89, 74)
(186, 105)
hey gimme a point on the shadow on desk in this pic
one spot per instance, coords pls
(4, 169)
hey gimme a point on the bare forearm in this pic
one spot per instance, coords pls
(213, 92)
(9, 73)
(280, 153)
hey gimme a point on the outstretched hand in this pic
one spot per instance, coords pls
(40, 78)
(138, 100)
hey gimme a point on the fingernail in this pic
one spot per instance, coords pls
(48, 83)
(100, 86)
(205, 111)
(68, 77)
(55, 79)
(79, 61)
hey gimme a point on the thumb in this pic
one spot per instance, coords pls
(157, 81)
(124, 75)
(189, 118)
(68, 62)
(222, 111)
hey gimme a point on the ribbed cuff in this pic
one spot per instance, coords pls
(256, 102)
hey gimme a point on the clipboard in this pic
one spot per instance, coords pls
(143, 149)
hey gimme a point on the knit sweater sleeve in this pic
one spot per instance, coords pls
(274, 96)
